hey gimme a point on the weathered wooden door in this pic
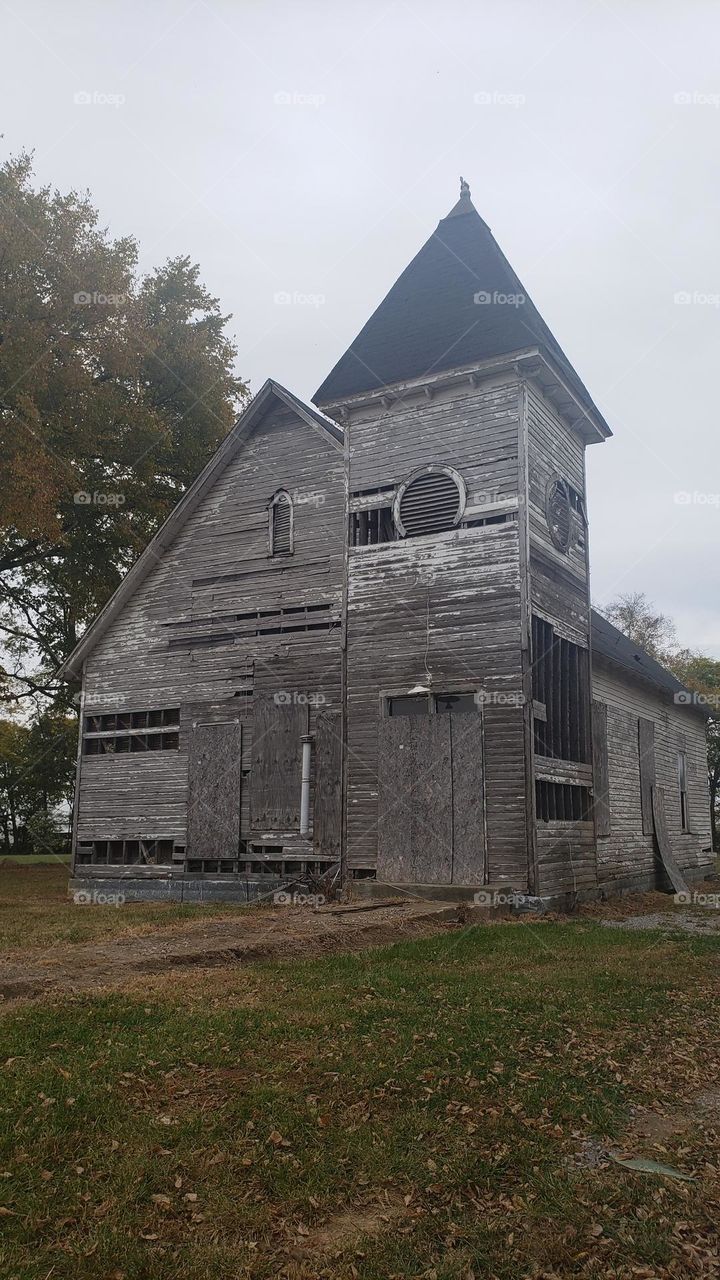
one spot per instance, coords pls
(277, 764)
(214, 781)
(431, 804)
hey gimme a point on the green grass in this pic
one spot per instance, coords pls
(34, 859)
(440, 1089)
(36, 911)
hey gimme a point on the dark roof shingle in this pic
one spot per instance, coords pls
(430, 320)
(612, 644)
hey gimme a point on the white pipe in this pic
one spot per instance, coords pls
(305, 785)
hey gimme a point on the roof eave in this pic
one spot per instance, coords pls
(583, 415)
(617, 666)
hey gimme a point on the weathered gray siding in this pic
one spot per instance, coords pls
(451, 601)
(626, 853)
(559, 593)
(559, 580)
(472, 429)
(166, 648)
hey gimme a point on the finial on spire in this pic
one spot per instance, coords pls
(464, 188)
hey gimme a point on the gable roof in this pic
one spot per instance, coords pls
(270, 392)
(616, 647)
(447, 310)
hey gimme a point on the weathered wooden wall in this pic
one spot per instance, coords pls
(178, 642)
(559, 593)
(555, 449)
(626, 852)
(449, 600)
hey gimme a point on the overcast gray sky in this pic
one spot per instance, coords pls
(311, 148)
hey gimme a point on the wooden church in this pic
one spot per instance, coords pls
(361, 650)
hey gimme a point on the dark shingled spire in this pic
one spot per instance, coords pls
(457, 303)
(464, 204)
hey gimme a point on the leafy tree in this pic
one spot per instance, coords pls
(114, 392)
(635, 616)
(36, 779)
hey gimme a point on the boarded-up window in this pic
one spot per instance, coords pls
(646, 751)
(601, 776)
(281, 524)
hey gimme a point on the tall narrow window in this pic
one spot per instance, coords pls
(682, 784)
(280, 515)
(558, 512)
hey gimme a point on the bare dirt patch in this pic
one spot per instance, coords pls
(257, 934)
(347, 1230)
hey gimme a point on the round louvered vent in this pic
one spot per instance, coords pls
(558, 513)
(431, 501)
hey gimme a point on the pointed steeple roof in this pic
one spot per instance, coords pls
(457, 303)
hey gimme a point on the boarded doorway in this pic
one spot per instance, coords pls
(277, 763)
(431, 802)
(214, 781)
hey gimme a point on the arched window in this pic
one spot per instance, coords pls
(431, 500)
(280, 524)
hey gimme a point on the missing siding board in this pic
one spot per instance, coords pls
(121, 744)
(100, 722)
(121, 733)
(507, 517)
(561, 802)
(150, 852)
(601, 778)
(288, 620)
(646, 753)
(372, 527)
(561, 686)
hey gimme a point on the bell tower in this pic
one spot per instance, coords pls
(467, 695)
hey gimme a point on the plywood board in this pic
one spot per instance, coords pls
(415, 800)
(468, 786)
(278, 727)
(214, 781)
